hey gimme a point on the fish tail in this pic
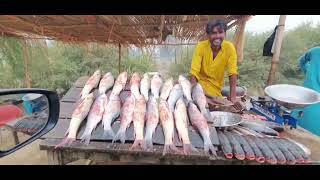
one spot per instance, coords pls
(208, 147)
(148, 140)
(170, 148)
(137, 143)
(108, 134)
(121, 135)
(66, 141)
(189, 149)
(86, 139)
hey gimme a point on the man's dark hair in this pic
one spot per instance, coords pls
(220, 24)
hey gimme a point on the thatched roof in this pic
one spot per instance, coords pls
(125, 29)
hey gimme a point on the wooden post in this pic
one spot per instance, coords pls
(26, 60)
(175, 54)
(276, 54)
(119, 65)
(239, 40)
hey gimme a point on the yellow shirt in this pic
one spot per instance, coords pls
(209, 72)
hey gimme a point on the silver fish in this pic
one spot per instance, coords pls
(199, 121)
(111, 113)
(106, 83)
(145, 86)
(120, 83)
(135, 84)
(126, 117)
(167, 122)
(201, 100)
(175, 94)
(186, 87)
(180, 117)
(94, 117)
(138, 122)
(79, 114)
(152, 120)
(156, 84)
(166, 89)
(92, 83)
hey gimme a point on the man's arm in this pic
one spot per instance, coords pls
(233, 85)
(195, 65)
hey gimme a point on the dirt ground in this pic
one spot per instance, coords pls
(28, 155)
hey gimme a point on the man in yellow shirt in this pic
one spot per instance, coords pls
(212, 58)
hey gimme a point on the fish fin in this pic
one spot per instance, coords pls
(108, 134)
(210, 148)
(66, 141)
(170, 148)
(189, 149)
(121, 135)
(67, 132)
(86, 139)
(138, 143)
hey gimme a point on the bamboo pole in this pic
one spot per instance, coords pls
(276, 54)
(26, 63)
(119, 62)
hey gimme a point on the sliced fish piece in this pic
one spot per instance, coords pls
(225, 145)
(245, 146)
(259, 156)
(266, 151)
(236, 147)
(281, 159)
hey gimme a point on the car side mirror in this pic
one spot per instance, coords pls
(25, 115)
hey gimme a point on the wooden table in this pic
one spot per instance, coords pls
(101, 150)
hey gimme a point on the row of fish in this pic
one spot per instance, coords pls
(150, 102)
(269, 150)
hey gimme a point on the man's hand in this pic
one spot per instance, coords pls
(193, 81)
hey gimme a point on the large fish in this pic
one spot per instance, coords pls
(152, 120)
(112, 112)
(106, 83)
(79, 114)
(259, 156)
(92, 83)
(266, 151)
(236, 147)
(201, 100)
(156, 84)
(175, 94)
(167, 122)
(284, 149)
(120, 83)
(299, 155)
(260, 128)
(186, 87)
(138, 122)
(200, 123)
(245, 146)
(301, 149)
(135, 84)
(225, 145)
(166, 89)
(281, 159)
(94, 117)
(126, 117)
(145, 86)
(181, 121)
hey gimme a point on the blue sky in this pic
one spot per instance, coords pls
(261, 23)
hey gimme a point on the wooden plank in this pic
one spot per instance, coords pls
(66, 109)
(119, 151)
(73, 94)
(81, 82)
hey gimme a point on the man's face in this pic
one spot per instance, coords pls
(216, 36)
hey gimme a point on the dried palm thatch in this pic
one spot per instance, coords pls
(125, 29)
